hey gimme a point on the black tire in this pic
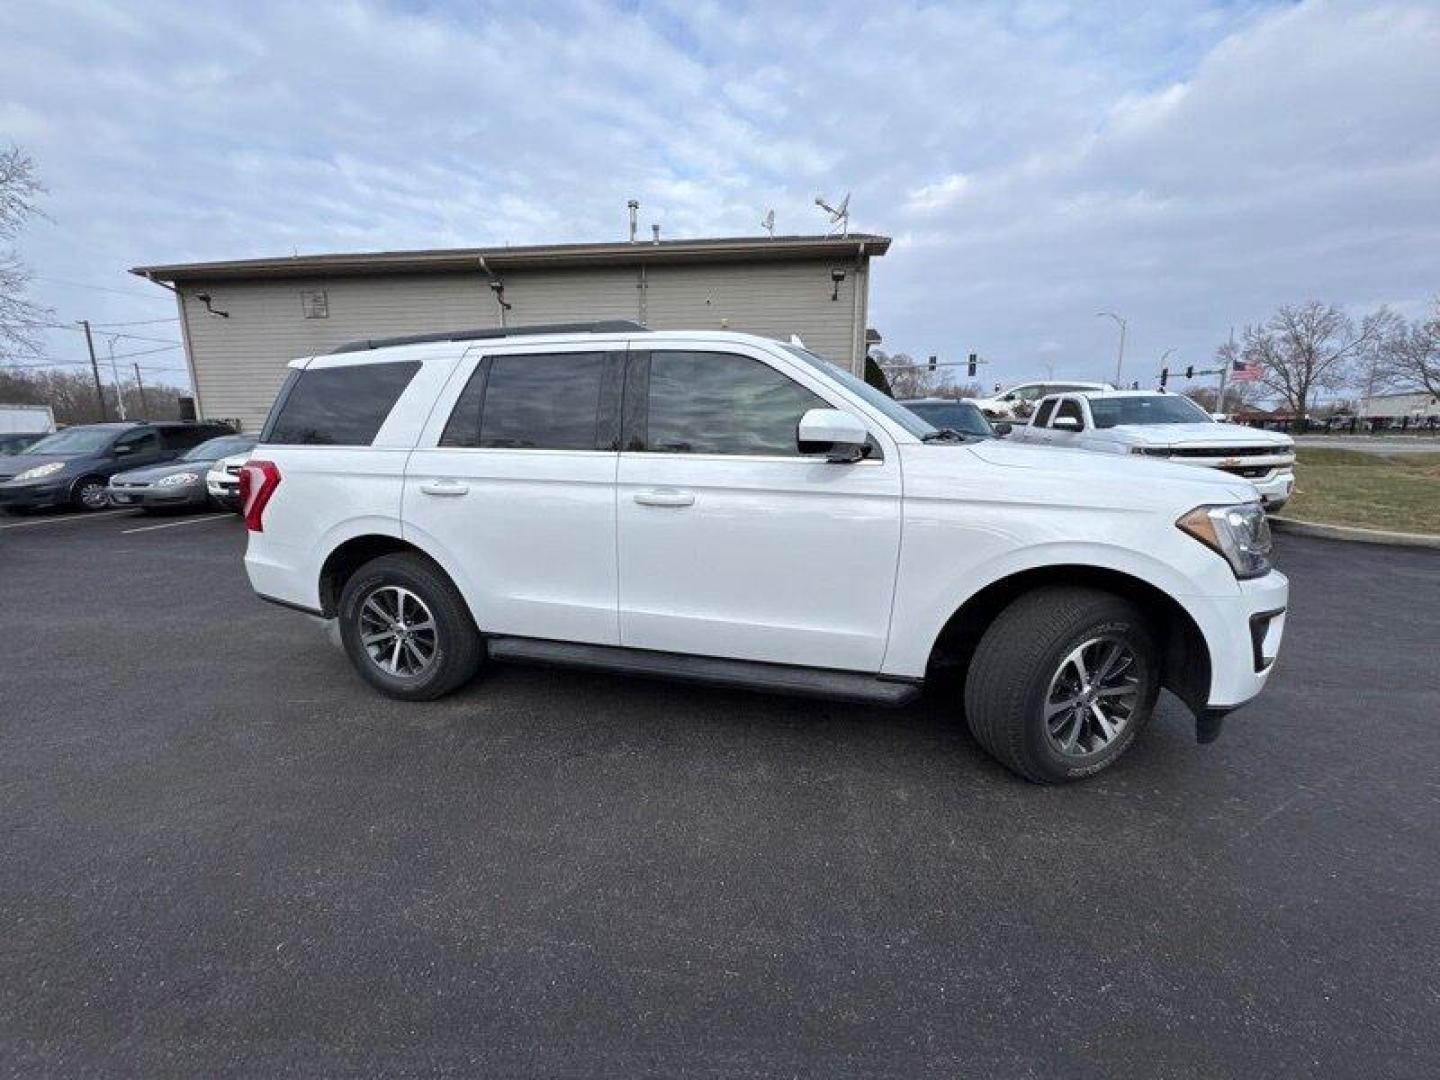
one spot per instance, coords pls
(1020, 659)
(79, 493)
(456, 650)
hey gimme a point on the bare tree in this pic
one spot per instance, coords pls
(1305, 349)
(1409, 355)
(20, 318)
(71, 395)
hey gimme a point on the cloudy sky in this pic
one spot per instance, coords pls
(1188, 164)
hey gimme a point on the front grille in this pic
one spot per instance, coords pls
(1227, 451)
(1250, 472)
(233, 470)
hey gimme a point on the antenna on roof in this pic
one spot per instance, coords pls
(839, 215)
(769, 223)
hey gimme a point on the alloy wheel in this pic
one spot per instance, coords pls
(1093, 696)
(93, 495)
(398, 631)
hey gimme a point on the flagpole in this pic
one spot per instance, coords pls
(1225, 372)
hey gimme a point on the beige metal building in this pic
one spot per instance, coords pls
(243, 321)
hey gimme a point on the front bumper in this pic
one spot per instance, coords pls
(226, 493)
(1243, 634)
(155, 497)
(1276, 488)
(34, 495)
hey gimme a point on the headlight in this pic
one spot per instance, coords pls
(1240, 533)
(176, 479)
(41, 470)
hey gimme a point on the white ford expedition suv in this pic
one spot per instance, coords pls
(727, 509)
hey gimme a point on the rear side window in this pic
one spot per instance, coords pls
(539, 401)
(721, 403)
(339, 406)
(1043, 416)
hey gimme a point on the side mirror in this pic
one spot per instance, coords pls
(834, 433)
(1066, 423)
(1002, 429)
(1219, 417)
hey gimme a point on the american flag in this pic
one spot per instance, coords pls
(1244, 371)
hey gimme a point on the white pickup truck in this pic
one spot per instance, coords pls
(1167, 426)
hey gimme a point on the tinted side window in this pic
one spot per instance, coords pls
(720, 403)
(1043, 416)
(340, 406)
(140, 442)
(543, 401)
(1070, 408)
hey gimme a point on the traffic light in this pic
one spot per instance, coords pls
(1164, 377)
(932, 363)
(971, 368)
(1190, 372)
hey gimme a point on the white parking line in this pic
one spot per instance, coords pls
(65, 520)
(177, 524)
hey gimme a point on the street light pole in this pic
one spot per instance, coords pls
(1119, 356)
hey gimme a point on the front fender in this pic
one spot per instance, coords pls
(920, 615)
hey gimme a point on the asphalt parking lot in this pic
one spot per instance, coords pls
(221, 855)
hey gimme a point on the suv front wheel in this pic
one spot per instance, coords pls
(407, 630)
(1062, 682)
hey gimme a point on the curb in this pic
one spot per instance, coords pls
(1354, 534)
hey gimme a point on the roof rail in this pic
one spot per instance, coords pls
(604, 326)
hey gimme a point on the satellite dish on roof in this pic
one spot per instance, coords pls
(839, 215)
(769, 223)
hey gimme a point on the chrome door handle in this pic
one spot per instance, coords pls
(444, 487)
(665, 497)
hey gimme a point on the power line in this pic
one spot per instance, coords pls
(112, 333)
(101, 288)
(137, 322)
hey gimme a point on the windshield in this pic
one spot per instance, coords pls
(863, 390)
(223, 446)
(1147, 409)
(958, 416)
(76, 441)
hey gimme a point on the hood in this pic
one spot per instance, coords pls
(1207, 485)
(150, 473)
(1201, 434)
(233, 459)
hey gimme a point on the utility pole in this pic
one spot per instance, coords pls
(140, 385)
(115, 374)
(95, 370)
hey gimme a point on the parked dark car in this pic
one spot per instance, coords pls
(73, 467)
(957, 415)
(12, 443)
(179, 483)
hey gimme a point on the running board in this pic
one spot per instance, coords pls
(710, 670)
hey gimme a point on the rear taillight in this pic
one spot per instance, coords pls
(258, 481)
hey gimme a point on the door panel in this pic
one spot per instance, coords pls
(774, 558)
(529, 531)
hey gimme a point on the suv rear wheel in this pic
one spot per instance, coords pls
(407, 630)
(1062, 682)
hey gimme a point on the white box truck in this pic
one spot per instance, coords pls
(26, 419)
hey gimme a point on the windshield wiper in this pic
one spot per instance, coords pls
(945, 434)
